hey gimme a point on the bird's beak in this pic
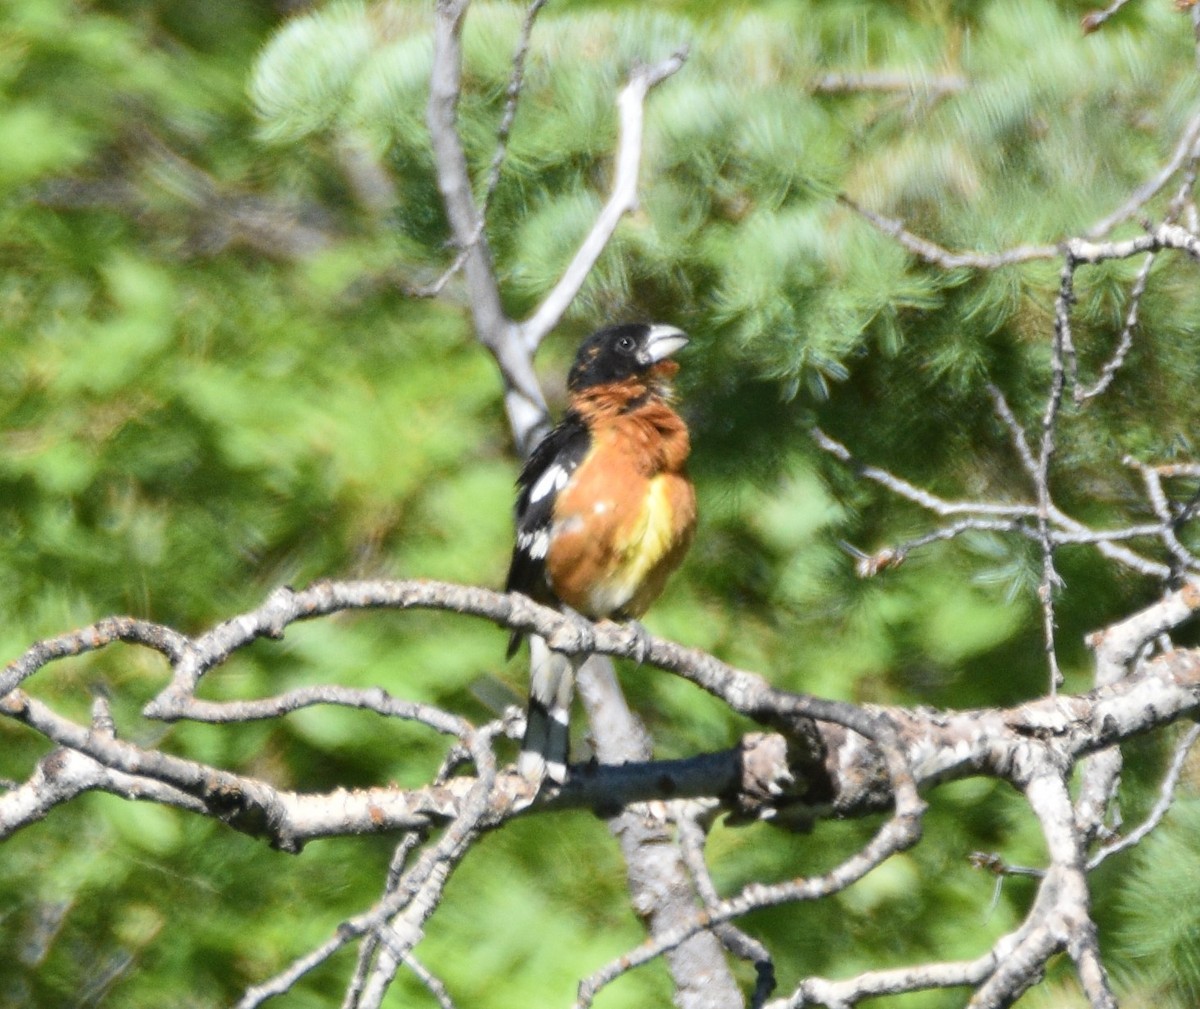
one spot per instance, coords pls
(662, 342)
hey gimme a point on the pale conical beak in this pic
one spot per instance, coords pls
(662, 342)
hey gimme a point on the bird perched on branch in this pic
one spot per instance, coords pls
(605, 511)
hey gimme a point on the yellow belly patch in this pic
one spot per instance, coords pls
(651, 537)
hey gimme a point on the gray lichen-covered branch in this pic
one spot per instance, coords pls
(815, 759)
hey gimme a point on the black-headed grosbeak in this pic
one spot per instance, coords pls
(605, 511)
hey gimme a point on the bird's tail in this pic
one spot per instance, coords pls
(547, 730)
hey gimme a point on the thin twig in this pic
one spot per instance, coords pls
(431, 981)
(754, 897)
(370, 945)
(1092, 20)
(512, 98)
(1124, 341)
(374, 699)
(523, 399)
(1187, 152)
(988, 516)
(1185, 149)
(847, 992)
(898, 485)
(1061, 347)
(416, 895)
(1016, 432)
(931, 252)
(622, 199)
(1166, 795)
(692, 838)
(1152, 481)
(888, 81)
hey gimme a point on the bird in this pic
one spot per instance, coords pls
(605, 512)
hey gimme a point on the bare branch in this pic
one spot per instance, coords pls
(889, 81)
(1186, 152)
(935, 504)
(516, 80)
(1162, 510)
(1166, 795)
(849, 992)
(1186, 149)
(169, 643)
(1019, 439)
(744, 691)
(892, 838)
(369, 947)
(1061, 349)
(409, 903)
(512, 97)
(986, 516)
(655, 867)
(430, 980)
(1124, 341)
(64, 774)
(692, 837)
(1063, 901)
(931, 252)
(872, 758)
(1058, 920)
(1164, 236)
(286, 979)
(523, 396)
(622, 199)
(1093, 20)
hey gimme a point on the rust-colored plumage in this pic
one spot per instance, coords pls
(626, 517)
(605, 511)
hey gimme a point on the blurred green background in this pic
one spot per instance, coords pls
(215, 378)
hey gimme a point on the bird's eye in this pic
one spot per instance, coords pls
(626, 343)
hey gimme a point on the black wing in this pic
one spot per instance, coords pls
(544, 475)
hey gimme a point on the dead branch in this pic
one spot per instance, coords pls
(867, 759)
(936, 255)
(621, 200)
(889, 82)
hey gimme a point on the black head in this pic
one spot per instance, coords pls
(621, 352)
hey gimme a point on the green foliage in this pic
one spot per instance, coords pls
(190, 415)
(1159, 945)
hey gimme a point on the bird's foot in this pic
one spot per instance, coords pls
(576, 637)
(641, 640)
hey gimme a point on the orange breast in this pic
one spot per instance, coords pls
(625, 521)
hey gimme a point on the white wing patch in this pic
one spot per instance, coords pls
(534, 544)
(551, 482)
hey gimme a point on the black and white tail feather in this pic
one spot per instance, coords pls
(546, 744)
(544, 748)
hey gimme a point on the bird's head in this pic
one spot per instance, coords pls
(630, 350)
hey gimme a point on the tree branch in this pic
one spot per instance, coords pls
(936, 255)
(867, 759)
(622, 200)
(523, 395)
(988, 516)
(889, 82)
